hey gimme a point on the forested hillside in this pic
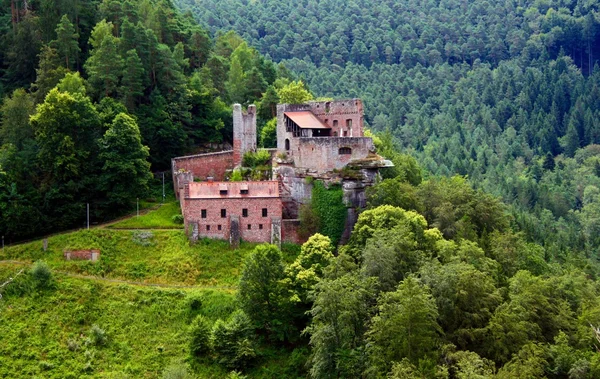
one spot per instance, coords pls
(99, 94)
(504, 92)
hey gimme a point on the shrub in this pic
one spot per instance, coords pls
(233, 341)
(41, 274)
(177, 219)
(199, 334)
(97, 336)
(177, 371)
(236, 176)
(142, 238)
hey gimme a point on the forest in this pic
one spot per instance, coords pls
(98, 96)
(477, 256)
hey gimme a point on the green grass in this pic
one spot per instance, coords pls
(161, 218)
(45, 333)
(164, 256)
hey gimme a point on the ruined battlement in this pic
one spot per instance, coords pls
(244, 132)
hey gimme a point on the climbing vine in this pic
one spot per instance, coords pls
(328, 206)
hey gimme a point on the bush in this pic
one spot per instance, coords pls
(41, 274)
(199, 333)
(177, 219)
(177, 371)
(142, 238)
(97, 336)
(233, 341)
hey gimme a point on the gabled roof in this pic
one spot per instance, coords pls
(306, 120)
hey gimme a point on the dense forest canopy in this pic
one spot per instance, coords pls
(440, 278)
(98, 94)
(504, 92)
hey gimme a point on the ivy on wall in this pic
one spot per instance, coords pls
(328, 206)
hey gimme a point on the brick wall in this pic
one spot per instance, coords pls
(193, 214)
(87, 255)
(289, 232)
(323, 153)
(205, 165)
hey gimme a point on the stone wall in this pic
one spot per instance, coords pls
(205, 165)
(244, 132)
(86, 255)
(323, 153)
(209, 226)
(289, 231)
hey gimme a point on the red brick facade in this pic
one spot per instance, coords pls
(205, 165)
(255, 204)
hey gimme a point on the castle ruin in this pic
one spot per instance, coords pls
(318, 140)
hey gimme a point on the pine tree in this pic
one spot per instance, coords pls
(66, 43)
(132, 83)
(104, 67)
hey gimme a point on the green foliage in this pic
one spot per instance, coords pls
(97, 336)
(260, 158)
(328, 207)
(199, 336)
(177, 371)
(294, 93)
(66, 44)
(41, 274)
(268, 134)
(126, 171)
(161, 218)
(232, 341)
(262, 295)
(177, 219)
(405, 326)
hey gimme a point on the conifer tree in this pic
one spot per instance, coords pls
(132, 86)
(66, 43)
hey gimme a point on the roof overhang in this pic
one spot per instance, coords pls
(306, 120)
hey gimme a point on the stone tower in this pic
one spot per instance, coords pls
(244, 132)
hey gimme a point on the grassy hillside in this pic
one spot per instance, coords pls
(141, 297)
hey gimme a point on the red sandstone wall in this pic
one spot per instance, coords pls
(322, 153)
(289, 232)
(205, 165)
(192, 213)
(87, 255)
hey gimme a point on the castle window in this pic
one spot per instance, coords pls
(223, 213)
(264, 212)
(218, 227)
(245, 212)
(207, 227)
(326, 122)
(249, 226)
(335, 123)
(260, 226)
(203, 213)
(335, 134)
(345, 150)
(345, 133)
(327, 106)
(223, 192)
(244, 188)
(349, 122)
(287, 144)
(244, 191)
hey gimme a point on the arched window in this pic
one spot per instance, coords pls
(287, 144)
(345, 150)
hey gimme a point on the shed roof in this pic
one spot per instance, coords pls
(306, 120)
(212, 190)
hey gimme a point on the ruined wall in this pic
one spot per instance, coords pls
(244, 132)
(87, 255)
(289, 232)
(209, 226)
(323, 153)
(204, 165)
